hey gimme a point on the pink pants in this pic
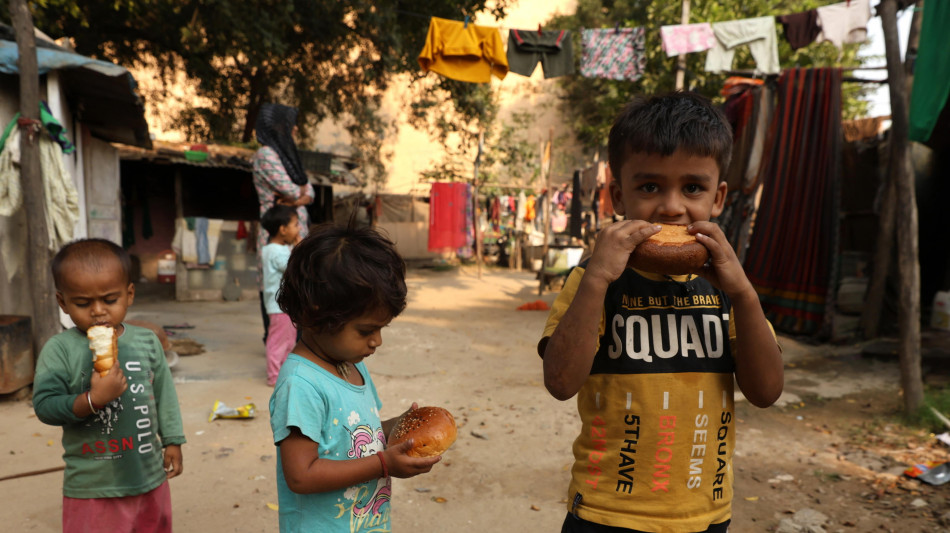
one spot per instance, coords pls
(281, 338)
(144, 513)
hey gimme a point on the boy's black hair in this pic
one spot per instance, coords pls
(90, 252)
(277, 216)
(668, 122)
(338, 273)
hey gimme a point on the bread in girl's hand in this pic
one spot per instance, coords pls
(432, 430)
(104, 344)
(672, 251)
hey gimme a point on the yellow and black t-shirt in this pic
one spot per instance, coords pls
(657, 437)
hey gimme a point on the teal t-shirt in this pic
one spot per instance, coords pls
(117, 452)
(273, 263)
(343, 419)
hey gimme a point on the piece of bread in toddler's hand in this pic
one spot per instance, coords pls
(104, 344)
(432, 430)
(672, 251)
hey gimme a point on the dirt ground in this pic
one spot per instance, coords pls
(828, 457)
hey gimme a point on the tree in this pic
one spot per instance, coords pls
(590, 104)
(329, 58)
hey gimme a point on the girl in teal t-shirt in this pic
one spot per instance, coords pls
(342, 285)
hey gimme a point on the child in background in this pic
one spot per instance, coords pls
(651, 357)
(342, 286)
(114, 426)
(283, 225)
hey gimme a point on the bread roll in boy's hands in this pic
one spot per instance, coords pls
(672, 251)
(104, 344)
(432, 430)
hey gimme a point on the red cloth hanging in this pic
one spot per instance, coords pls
(447, 216)
(241, 231)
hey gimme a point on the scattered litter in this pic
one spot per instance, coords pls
(272, 506)
(751, 498)
(422, 489)
(220, 410)
(944, 438)
(186, 346)
(537, 305)
(939, 415)
(183, 325)
(535, 508)
(479, 435)
(202, 432)
(439, 499)
(918, 503)
(930, 472)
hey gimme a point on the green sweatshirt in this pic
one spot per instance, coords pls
(117, 452)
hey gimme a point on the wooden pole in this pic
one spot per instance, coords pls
(546, 209)
(45, 314)
(681, 60)
(478, 236)
(907, 231)
(883, 249)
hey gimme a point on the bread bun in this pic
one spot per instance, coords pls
(672, 251)
(432, 430)
(104, 344)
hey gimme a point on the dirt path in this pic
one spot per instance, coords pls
(830, 448)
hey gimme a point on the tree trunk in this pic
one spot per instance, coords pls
(45, 314)
(908, 259)
(255, 99)
(871, 316)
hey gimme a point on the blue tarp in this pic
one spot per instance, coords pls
(49, 59)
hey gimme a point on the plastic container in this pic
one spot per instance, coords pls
(166, 267)
(940, 314)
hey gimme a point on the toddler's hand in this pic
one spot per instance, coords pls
(172, 461)
(723, 269)
(104, 389)
(614, 245)
(402, 465)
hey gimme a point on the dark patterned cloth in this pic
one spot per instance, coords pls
(275, 126)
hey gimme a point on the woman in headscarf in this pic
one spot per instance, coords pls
(279, 177)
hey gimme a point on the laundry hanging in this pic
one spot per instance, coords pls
(449, 216)
(617, 54)
(686, 38)
(844, 22)
(552, 48)
(758, 33)
(801, 29)
(928, 98)
(792, 253)
(463, 51)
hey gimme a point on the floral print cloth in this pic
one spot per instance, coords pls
(615, 54)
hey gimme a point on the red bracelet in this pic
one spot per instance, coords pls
(383, 462)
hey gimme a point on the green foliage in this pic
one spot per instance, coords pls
(329, 58)
(590, 105)
(939, 399)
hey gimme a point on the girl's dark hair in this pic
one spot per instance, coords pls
(90, 252)
(339, 273)
(277, 216)
(669, 122)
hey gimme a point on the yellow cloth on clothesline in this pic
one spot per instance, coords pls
(463, 52)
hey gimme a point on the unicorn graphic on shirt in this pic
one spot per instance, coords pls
(364, 442)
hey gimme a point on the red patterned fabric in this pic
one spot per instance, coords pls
(447, 205)
(791, 256)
